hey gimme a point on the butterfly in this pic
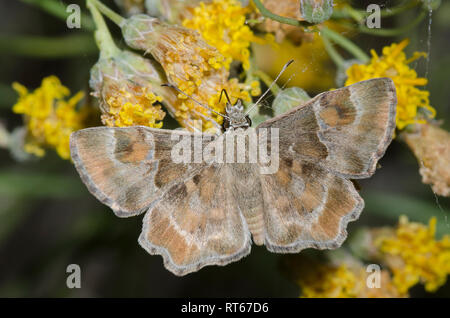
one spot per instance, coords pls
(208, 213)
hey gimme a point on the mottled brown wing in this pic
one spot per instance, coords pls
(306, 206)
(345, 131)
(129, 168)
(197, 223)
(336, 135)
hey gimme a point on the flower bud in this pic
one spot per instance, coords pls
(316, 11)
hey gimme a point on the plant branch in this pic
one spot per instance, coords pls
(103, 38)
(116, 18)
(360, 15)
(333, 53)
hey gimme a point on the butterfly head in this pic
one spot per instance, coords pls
(236, 116)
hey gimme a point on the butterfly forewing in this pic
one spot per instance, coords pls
(129, 168)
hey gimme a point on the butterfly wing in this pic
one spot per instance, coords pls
(306, 206)
(336, 135)
(129, 168)
(197, 223)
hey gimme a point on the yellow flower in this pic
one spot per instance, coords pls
(414, 255)
(222, 24)
(135, 114)
(49, 116)
(394, 64)
(195, 67)
(337, 275)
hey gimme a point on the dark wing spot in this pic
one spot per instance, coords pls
(288, 162)
(196, 179)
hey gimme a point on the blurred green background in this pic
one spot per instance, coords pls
(48, 219)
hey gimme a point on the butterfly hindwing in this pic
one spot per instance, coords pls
(306, 206)
(336, 135)
(197, 223)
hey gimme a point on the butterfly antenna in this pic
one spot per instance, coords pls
(226, 95)
(270, 87)
(193, 99)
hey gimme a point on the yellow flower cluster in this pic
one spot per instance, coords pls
(222, 24)
(414, 255)
(49, 117)
(394, 64)
(126, 109)
(328, 282)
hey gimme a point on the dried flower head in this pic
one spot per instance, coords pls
(50, 116)
(412, 103)
(195, 67)
(431, 146)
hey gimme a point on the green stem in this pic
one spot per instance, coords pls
(268, 14)
(58, 9)
(399, 9)
(116, 18)
(345, 43)
(390, 32)
(48, 47)
(333, 53)
(349, 12)
(359, 15)
(102, 36)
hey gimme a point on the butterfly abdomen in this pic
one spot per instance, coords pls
(255, 222)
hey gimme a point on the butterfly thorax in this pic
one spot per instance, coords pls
(236, 117)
